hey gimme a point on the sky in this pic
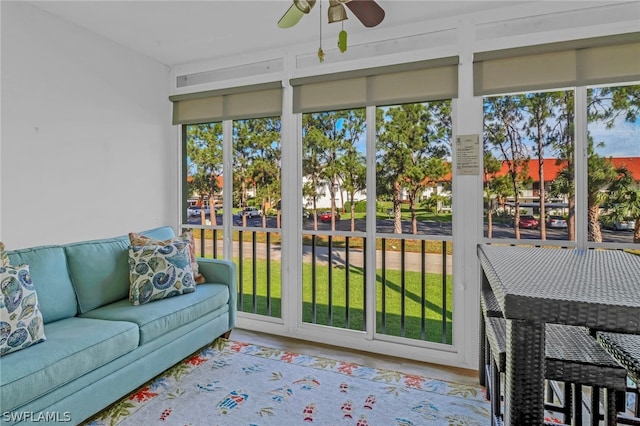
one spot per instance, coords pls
(623, 140)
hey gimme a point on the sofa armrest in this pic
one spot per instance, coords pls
(221, 271)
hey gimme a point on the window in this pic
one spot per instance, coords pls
(334, 197)
(613, 174)
(204, 177)
(588, 184)
(529, 166)
(413, 202)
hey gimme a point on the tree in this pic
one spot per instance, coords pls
(563, 140)
(353, 168)
(327, 138)
(204, 154)
(608, 103)
(257, 165)
(496, 187)
(434, 201)
(354, 178)
(602, 173)
(611, 186)
(540, 109)
(311, 167)
(624, 197)
(413, 144)
(503, 117)
(242, 159)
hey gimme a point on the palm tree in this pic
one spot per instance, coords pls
(624, 196)
(602, 174)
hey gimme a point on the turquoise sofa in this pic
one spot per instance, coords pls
(99, 347)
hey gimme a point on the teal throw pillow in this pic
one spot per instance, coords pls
(21, 322)
(158, 271)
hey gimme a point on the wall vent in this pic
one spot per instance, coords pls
(231, 73)
(558, 21)
(417, 42)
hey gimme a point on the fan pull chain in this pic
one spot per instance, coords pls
(320, 51)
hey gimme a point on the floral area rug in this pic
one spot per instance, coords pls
(233, 383)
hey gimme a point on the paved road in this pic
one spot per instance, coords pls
(435, 228)
(434, 262)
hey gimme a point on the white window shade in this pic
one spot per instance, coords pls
(396, 84)
(255, 101)
(602, 60)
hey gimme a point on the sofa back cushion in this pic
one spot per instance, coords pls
(50, 276)
(162, 233)
(99, 269)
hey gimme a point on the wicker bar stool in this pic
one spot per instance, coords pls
(572, 356)
(625, 348)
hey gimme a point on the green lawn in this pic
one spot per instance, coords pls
(346, 309)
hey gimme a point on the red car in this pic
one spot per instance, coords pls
(326, 216)
(527, 221)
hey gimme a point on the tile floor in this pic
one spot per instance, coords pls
(434, 371)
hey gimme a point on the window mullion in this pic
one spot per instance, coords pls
(581, 167)
(227, 187)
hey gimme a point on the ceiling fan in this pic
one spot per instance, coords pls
(367, 11)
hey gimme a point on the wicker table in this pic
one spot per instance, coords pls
(599, 289)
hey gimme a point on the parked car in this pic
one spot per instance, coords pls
(528, 221)
(627, 224)
(326, 216)
(197, 210)
(556, 222)
(251, 212)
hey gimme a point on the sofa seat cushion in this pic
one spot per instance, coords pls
(157, 318)
(74, 347)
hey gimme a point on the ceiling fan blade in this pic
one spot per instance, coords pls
(295, 12)
(367, 11)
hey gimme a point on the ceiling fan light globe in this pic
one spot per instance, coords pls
(295, 12)
(291, 17)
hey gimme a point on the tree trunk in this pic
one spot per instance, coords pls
(594, 226)
(414, 221)
(571, 229)
(397, 222)
(516, 198)
(333, 205)
(212, 210)
(490, 219)
(315, 214)
(353, 212)
(542, 193)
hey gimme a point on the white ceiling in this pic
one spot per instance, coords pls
(180, 32)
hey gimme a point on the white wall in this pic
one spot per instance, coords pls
(87, 146)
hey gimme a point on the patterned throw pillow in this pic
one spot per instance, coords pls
(141, 240)
(21, 322)
(4, 256)
(159, 271)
